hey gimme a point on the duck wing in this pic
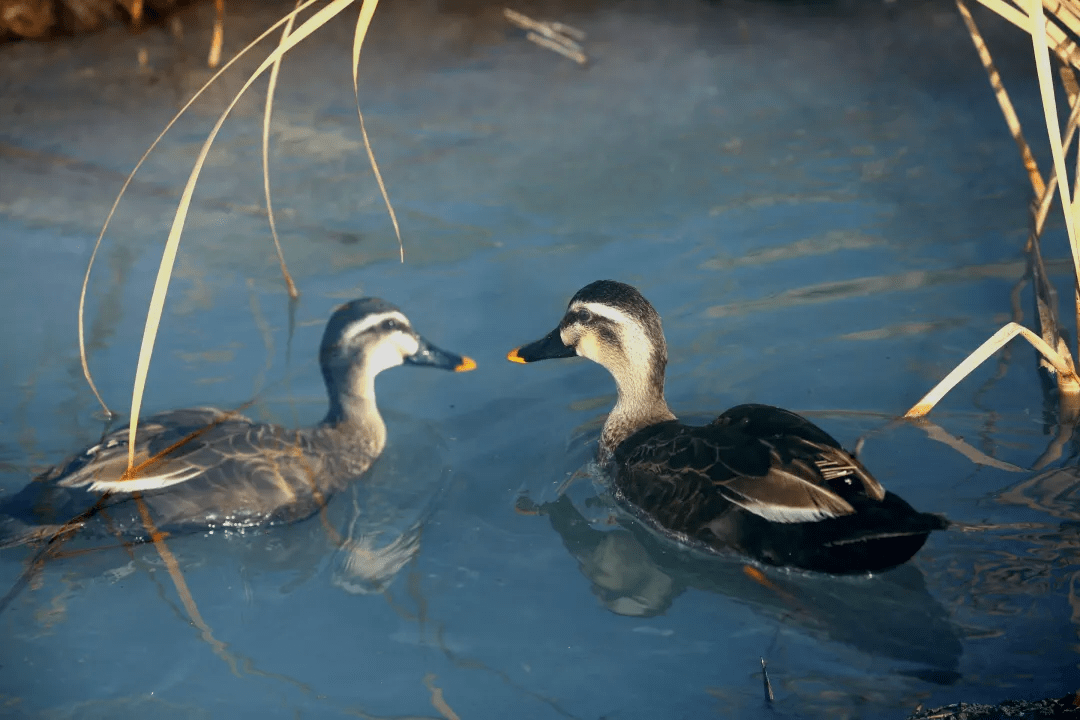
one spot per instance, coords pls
(804, 464)
(766, 460)
(170, 448)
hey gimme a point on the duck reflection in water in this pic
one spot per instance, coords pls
(369, 532)
(635, 573)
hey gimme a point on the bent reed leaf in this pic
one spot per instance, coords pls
(131, 176)
(172, 244)
(270, 87)
(984, 351)
(367, 10)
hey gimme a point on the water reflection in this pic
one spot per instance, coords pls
(1049, 551)
(634, 573)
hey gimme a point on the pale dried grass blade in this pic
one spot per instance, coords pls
(555, 36)
(1045, 295)
(1062, 44)
(1053, 127)
(367, 11)
(271, 86)
(1008, 12)
(172, 244)
(1067, 376)
(127, 182)
(1069, 82)
(1003, 99)
(218, 38)
(558, 47)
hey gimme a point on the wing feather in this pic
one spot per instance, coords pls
(768, 461)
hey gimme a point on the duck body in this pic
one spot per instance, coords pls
(239, 474)
(693, 484)
(758, 480)
(204, 469)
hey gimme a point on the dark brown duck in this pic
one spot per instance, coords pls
(758, 480)
(212, 469)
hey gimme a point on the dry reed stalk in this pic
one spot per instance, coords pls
(1003, 99)
(172, 244)
(1046, 35)
(367, 10)
(555, 36)
(154, 312)
(271, 86)
(976, 358)
(127, 182)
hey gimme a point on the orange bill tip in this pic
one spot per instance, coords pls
(467, 364)
(513, 356)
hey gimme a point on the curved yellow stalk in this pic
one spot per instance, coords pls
(1067, 378)
(131, 176)
(270, 87)
(172, 244)
(367, 10)
(1053, 127)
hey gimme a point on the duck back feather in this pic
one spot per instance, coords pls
(767, 483)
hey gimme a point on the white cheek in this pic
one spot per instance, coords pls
(385, 355)
(588, 347)
(407, 345)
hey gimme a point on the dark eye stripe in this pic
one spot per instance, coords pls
(607, 333)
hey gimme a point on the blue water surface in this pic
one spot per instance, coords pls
(822, 201)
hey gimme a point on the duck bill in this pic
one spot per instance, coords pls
(548, 347)
(428, 354)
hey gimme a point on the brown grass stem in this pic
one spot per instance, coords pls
(158, 538)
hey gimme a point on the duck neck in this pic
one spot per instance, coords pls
(353, 411)
(641, 404)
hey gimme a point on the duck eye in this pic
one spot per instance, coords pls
(390, 324)
(584, 316)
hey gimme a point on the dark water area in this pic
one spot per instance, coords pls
(821, 200)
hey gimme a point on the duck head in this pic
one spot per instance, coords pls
(365, 337)
(612, 324)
